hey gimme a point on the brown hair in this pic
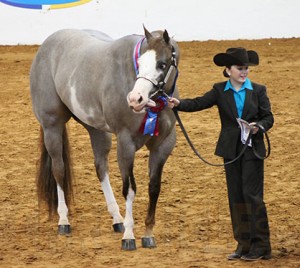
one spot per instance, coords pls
(225, 73)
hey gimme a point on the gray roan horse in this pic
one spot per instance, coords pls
(109, 86)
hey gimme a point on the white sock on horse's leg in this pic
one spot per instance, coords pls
(129, 222)
(62, 208)
(112, 206)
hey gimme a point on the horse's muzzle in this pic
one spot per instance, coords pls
(138, 103)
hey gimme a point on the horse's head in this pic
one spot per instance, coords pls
(157, 70)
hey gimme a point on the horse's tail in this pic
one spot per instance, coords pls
(45, 181)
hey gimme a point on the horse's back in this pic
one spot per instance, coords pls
(51, 61)
(70, 41)
(74, 64)
(99, 35)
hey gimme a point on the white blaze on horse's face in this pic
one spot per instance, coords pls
(138, 98)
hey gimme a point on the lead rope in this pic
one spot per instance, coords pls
(231, 161)
(268, 142)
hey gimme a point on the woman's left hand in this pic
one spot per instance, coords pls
(254, 128)
(173, 102)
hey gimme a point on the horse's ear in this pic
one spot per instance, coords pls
(166, 37)
(147, 33)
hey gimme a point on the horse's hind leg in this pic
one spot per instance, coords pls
(101, 144)
(54, 180)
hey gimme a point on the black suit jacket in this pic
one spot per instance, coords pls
(257, 109)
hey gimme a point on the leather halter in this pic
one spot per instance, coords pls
(150, 122)
(159, 85)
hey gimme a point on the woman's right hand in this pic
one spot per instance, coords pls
(173, 102)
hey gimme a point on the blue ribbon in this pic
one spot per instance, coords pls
(150, 123)
(151, 117)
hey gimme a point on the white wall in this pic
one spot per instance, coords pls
(185, 20)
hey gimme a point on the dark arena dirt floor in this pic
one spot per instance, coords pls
(193, 226)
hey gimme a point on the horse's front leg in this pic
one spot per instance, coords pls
(126, 153)
(157, 159)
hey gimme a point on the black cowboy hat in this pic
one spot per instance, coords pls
(237, 56)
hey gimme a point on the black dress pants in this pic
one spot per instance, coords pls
(245, 183)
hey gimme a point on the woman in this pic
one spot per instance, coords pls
(238, 97)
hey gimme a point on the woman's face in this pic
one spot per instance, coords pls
(238, 73)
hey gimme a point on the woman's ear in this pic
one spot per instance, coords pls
(227, 70)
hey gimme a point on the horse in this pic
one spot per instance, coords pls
(112, 87)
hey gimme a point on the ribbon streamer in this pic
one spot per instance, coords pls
(150, 122)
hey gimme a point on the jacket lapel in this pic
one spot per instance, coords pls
(247, 103)
(230, 99)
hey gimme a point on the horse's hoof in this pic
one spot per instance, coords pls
(118, 227)
(64, 229)
(148, 242)
(128, 244)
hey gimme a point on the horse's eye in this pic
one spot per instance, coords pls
(162, 65)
